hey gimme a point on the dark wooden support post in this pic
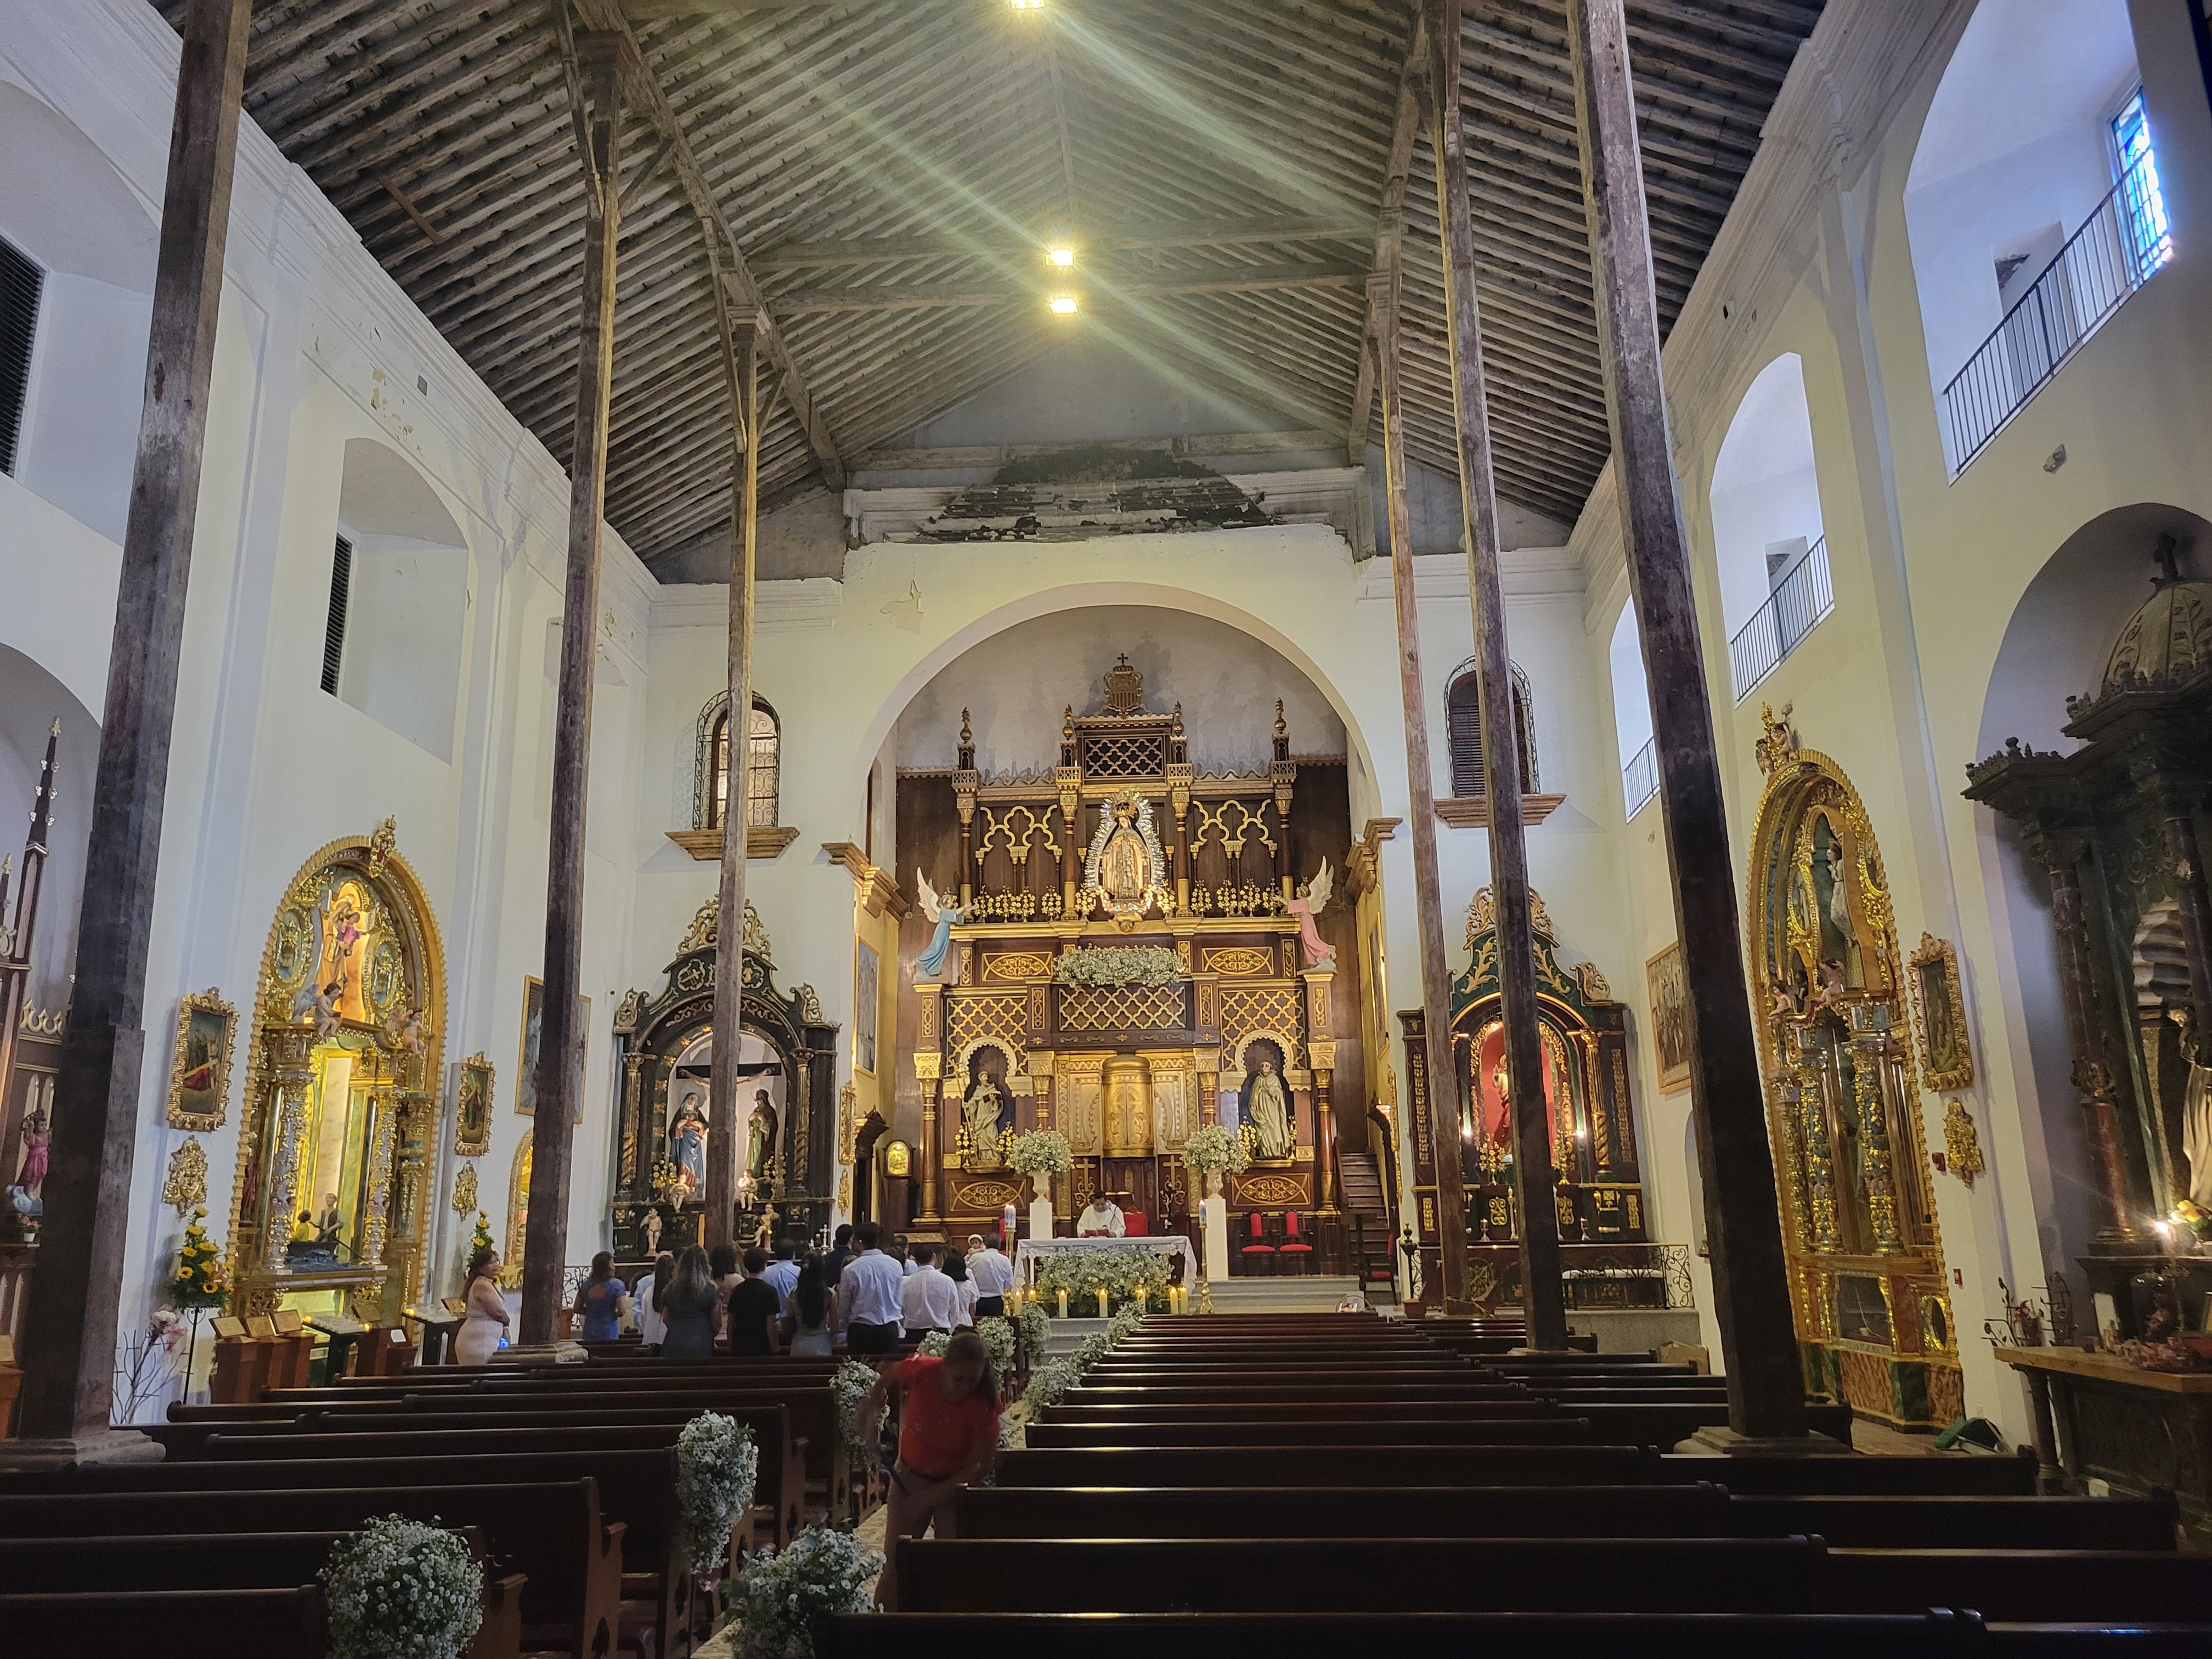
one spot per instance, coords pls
(741, 360)
(1502, 784)
(1435, 969)
(70, 1325)
(561, 1043)
(2061, 855)
(1750, 1292)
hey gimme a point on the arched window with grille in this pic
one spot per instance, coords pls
(762, 770)
(1463, 719)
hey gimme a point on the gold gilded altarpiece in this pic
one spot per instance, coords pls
(1124, 846)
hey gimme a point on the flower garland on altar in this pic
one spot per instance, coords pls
(717, 1467)
(1109, 965)
(782, 1593)
(401, 1590)
(1119, 1272)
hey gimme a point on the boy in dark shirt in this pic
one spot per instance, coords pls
(753, 1308)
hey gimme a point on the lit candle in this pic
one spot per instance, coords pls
(1063, 1305)
(1102, 1302)
(1142, 1300)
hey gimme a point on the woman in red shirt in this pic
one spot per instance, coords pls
(948, 1436)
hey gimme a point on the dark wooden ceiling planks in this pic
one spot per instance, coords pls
(888, 168)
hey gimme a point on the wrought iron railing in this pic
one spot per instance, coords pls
(1639, 778)
(2112, 254)
(1799, 600)
(1608, 1276)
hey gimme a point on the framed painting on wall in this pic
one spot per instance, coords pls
(199, 1077)
(865, 968)
(533, 1025)
(472, 1108)
(1670, 1017)
(1941, 1002)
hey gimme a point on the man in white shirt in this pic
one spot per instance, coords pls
(868, 1314)
(903, 1253)
(994, 1276)
(929, 1300)
(782, 1274)
(1101, 1218)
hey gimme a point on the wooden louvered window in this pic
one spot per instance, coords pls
(334, 619)
(21, 281)
(1464, 716)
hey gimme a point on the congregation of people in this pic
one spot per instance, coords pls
(859, 1296)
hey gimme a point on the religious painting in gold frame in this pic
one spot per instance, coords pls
(533, 1023)
(472, 1108)
(199, 1075)
(1938, 1002)
(1670, 1017)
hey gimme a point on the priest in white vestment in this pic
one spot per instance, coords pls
(1101, 1218)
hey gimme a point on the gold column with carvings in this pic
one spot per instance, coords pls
(292, 1077)
(1209, 1084)
(928, 1070)
(1040, 1063)
(1321, 1058)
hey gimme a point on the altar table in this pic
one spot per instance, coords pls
(1029, 1251)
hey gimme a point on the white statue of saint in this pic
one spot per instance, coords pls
(1268, 1109)
(980, 1111)
(2196, 1111)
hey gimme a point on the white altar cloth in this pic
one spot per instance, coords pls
(1030, 1250)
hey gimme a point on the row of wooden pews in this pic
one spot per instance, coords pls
(563, 1478)
(1232, 1484)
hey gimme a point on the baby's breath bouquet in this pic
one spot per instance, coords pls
(1117, 965)
(401, 1590)
(1214, 1149)
(782, 1593)
(1124, 1323)
(998, 1342)
(852, 1382)
(1048, 1381)
(1035, 1327)
(1118, 1271)
(1041, 1151)
(717, 1466)
(933, 1345)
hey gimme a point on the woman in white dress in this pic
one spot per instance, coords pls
(485, 1327)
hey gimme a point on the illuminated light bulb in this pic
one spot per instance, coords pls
(1063, 305)
(1062, 256)
(1026, 5)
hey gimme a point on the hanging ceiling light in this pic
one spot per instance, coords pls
(1061, 254)
(1064, 304)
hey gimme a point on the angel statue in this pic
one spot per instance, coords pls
(931, 962)
(1307, 905)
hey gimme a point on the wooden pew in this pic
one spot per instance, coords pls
(1698, 1510)
(1518, 1575)
(192, 1623)
(1295, 1437)
(549, 1533)
(108, 1564)
(1935, 1635)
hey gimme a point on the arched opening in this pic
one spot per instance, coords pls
(1631, 715)
(73, 323)
(2056, 646)
(2020, 242)
(398, 599)
(1767, 540)
(1463, 724)
(763, 765)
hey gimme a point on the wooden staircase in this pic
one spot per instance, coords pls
(1366, 1220)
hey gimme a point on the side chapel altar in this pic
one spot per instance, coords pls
(1127, 955)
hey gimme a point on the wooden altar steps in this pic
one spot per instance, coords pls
(565, 1477)
(1246, 1487)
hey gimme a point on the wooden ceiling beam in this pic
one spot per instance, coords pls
(1390, 227)
(1098, 288)
(643, 88)
(1119, 239)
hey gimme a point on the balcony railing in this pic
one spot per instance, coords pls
(2119, 246)
(1799, 600)
(1639, 778)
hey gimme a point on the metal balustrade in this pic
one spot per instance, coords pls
(1639, 778)
(1799, 600)
(2114, 253)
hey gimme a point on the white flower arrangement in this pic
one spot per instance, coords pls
(1041, 1151)
(998, 1342)
(1108, 965)
(1118, 1271)
(852, 1382)
(1034, 1326)
(1048, 1381)
(402, 1589)
(780, 1593)
(717, 1467)
(1215, 1149)
(933, 1345)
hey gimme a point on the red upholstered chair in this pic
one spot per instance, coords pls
(1256, 1251)
(1134, 1224)
(1297, 1240)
